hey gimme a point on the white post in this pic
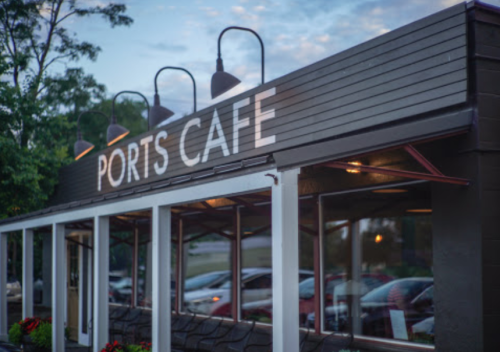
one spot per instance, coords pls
(27, 273)
(161, 279)
(285, 251)
(101, 288)
(58, 286)
(3, 286)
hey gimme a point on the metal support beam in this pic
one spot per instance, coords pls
(28, 273)
(3, 286)
(285, 256)
(101, 288)
(161, 279)
(422, 160)
(58, 286)
(398, 173)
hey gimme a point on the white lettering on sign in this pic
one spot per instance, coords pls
(131, 168)
(138, 152)
(239, 124)
(160, 170)
(262, 116)
(189, 162)
(112, 181)
(145, 142)
(212, 142)
(103, 166)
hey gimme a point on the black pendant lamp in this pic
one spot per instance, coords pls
(159, 113)
(83, 147)
(115, 131)
(223, 81)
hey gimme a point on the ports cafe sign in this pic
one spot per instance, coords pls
(190, 144)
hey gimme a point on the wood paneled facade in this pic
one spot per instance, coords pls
(435, 78)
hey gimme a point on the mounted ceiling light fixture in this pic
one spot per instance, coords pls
(159, 113)
(83, 147)
(223, 81)
(354, 170)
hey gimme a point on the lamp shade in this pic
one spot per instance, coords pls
(157, 113)
(222, 81)
(81, 148)
(116, 132)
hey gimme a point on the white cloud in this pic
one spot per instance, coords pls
(323, 38)
(259, 8)
(240, 10)
(210, 11)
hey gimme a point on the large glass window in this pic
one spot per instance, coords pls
(378, 278)
(256, 257)
(208, 234)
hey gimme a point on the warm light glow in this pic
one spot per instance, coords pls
(248, 233)
(390, 190)
(118, 138)
(215, 299)
(84, 152)
(354, 171)
(378, 238)
(419, 210)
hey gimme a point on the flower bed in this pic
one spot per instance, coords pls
(34, 334)
(118, 347)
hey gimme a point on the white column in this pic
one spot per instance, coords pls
(161, 279)
(101, 285)
(27, 273)
(58, 286)
(285, 251)
(3, 286)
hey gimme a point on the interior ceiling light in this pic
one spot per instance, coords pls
(354, 171)
(419, 210)
(390, 190)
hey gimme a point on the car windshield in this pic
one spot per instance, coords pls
(200, 281)
(123, 283)
(408, 287)
(306, 288)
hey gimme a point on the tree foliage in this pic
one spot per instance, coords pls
(38, 110)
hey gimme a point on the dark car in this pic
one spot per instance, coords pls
(401, 294)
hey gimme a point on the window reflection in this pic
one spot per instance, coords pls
(208, 236)
(256, 257)
(378, 278)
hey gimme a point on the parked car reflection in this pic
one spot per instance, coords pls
(14, 290)
(336, 285)
(256, 285)
(408, 295)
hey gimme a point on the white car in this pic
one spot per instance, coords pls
(256, 284)
(14, 291)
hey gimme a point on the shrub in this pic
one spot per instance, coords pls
(16, 334)
(42, 335)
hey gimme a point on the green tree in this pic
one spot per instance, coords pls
(35, 106)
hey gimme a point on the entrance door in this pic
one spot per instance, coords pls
(79, 284)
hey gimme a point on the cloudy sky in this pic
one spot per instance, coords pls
(184, 33)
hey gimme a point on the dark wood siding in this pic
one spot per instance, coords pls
(486, 37)
(417, 69)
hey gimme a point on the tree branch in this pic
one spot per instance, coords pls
(65, 16)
